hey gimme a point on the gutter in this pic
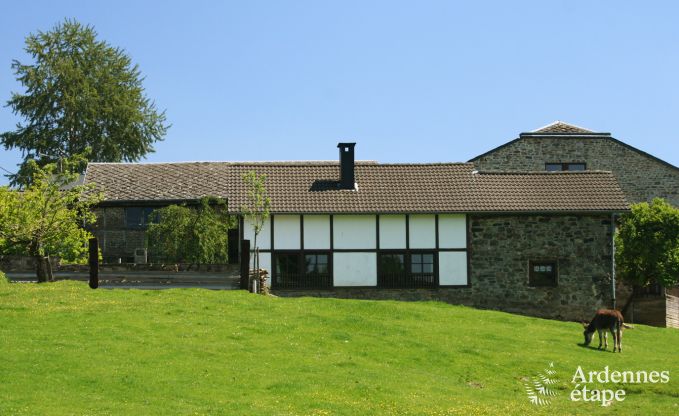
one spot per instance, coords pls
(613, 280)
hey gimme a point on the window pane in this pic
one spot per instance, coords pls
(416, 268)
(543, 274)
(392, 263)
(133, 217)
(139, 217)
(428, 268)
(150, 216)
(428, 258)
(553, 167)
(310, 263)
(316, 263)
(392, 270)
(287, 264)
(322, 268)
(576, 166)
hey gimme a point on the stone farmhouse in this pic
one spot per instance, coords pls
(642, 177)
(531, 242)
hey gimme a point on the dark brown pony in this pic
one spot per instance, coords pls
(606, 320)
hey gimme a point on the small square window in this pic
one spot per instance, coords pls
(543, 274)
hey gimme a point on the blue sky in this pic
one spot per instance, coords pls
(425, 81)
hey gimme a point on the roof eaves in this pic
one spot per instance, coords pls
(494, 150)
(641, 152)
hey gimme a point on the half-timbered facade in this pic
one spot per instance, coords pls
(520, 241)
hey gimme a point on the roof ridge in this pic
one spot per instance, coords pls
(557, 127)
(543, 172)
(283, 163)
(231, 162)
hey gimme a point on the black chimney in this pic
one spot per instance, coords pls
(346, 151)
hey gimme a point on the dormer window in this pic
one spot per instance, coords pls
(570, 166)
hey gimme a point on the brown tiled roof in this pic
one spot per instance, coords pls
(311, 187)
(559, 127)
(547, 191)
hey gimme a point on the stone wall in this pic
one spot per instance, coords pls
(502, 246)
(19, 263)
(641, 177)
(457, 296)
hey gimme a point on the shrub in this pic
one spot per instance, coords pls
(648, 244)
(195, 235)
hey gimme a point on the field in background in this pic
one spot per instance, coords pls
(66, 349)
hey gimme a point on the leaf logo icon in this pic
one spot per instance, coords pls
(538, 390)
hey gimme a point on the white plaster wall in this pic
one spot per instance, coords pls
(354, 231)
(354, 269)
(452, 231)
(264, 237)
(393, 231)
(452, 268)
(422, 231)
(286, 232)
(317, 232)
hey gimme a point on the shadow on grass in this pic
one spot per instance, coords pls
(590, 347)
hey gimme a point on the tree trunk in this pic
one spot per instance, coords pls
(48, 266)
(257, 268)
(40, 269)
(253, 253)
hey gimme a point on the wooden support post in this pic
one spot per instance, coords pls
(94, 263)
(244, 263)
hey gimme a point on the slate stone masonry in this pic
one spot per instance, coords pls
(502, 247)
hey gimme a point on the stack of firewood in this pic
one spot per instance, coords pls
(260, 276)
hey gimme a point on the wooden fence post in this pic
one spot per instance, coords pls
(94, 263)
(244, 263)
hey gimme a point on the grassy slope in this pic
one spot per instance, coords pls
(66, 349)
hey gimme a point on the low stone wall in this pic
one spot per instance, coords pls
(154, 267)
(16, 263)
(457, 296)
(12, 263)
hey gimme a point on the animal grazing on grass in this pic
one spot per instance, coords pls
(606, 320)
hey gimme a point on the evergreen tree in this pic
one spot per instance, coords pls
(82, 96)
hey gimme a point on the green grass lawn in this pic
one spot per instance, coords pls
(69, 350)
